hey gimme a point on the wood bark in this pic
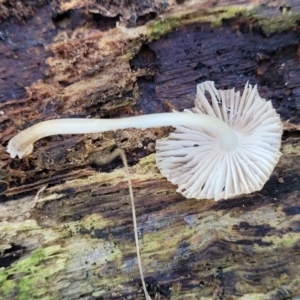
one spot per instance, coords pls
(65, 221)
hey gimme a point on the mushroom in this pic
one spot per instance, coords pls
(227, 145)
(203, 165)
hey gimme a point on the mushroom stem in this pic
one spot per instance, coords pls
(119, 152)
(22, 143)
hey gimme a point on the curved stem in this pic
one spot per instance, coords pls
(22, 143)
(111, 157)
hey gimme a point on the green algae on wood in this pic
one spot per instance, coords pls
(273, 21)
(30, 277)
(268, 18)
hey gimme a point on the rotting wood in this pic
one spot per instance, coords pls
(74, 239)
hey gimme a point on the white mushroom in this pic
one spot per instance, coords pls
(227, 145)
(193, 157)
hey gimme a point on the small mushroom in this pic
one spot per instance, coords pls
(227, 145)
(203, 166)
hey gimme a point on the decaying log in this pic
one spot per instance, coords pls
(65, 221)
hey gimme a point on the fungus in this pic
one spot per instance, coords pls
(106, 160)
(204, 166)
(227, 145)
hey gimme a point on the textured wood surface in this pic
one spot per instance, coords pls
(65, 221)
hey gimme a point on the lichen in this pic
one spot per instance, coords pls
(271, 21)
(163, 26)
(268, 19)
(150, 159)
(215, 16)
(147, 165)
(291, 150)
(29, 277)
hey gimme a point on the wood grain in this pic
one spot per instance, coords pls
(65, 221)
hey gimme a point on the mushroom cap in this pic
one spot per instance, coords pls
(191, 157)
